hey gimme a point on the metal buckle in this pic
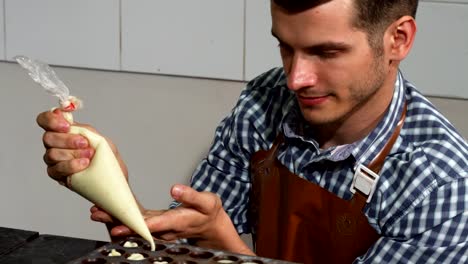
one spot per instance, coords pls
(364, 180)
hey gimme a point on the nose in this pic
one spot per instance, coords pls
(301, 73)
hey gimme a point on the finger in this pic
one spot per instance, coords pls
(64, 140)
(64, 169)
(152, 213)
(121, 230)
(179, 220)
(169, 236)
(204, 202)
(101, 216)
(54, 155)
(53, 121)
(170, 220)
(94, 208)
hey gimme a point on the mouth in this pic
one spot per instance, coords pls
(312, 100)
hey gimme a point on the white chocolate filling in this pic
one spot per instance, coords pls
(104, 184)
(130, 244)
(136, 256)
(114, 253)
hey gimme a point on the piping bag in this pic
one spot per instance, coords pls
(103, 182)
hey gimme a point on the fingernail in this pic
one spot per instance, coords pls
(84, 162)
(64, 126)
(86, 153)
(81, 143)
(176, 191)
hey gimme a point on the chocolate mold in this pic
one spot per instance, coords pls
(166, 253)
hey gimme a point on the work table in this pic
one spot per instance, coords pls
(24, 246)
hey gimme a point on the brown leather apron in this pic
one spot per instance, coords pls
(299, 221)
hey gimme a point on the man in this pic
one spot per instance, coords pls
(334, 137)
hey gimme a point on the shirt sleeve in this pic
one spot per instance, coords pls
(225, 170)
(252, 125)
(435, 230)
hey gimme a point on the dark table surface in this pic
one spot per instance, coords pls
(23, 246)
(11, 239)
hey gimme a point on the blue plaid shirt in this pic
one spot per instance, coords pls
(420, 206)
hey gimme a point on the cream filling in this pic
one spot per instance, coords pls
(114, 253)
(136, 256)
(130, 244)
(104, 184)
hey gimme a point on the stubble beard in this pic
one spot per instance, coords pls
(359, 95)
(368, 89)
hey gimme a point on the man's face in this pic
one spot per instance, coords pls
(329, 64)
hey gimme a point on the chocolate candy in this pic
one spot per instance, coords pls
(165, 253)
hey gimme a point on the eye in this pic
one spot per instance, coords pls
(328, 50)
(329, 54)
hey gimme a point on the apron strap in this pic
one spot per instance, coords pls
(274, 148)
(360, 198)
(376, 164)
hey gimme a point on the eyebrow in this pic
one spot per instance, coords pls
(327, 45)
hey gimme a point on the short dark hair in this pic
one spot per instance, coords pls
(294, 6)
(372, 16)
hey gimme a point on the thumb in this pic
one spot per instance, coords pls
(204, 202)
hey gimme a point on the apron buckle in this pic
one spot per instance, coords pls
(364, 180)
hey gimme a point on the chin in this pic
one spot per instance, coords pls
(325, 116)
(320, 121)
(316, 116)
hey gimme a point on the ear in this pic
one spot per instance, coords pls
(401, 34)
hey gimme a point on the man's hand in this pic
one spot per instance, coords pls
(200, 216)
(65, 153)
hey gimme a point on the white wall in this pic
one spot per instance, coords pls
(162, 125)
(261, 48)
(438, 62)
(82, 33)
(170, 38)
(211, 38)
(2, 34)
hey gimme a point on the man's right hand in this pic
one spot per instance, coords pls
(65, 153)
